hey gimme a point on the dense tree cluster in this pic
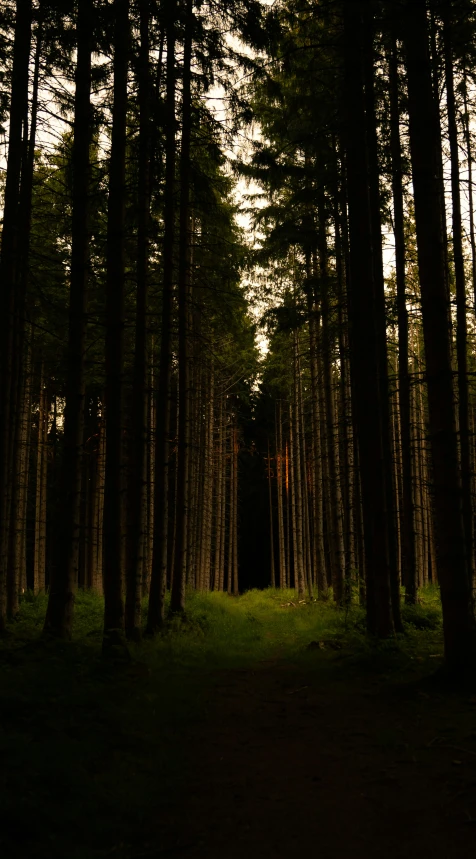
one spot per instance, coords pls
(126, 341)
(364, 161)
(128, 361)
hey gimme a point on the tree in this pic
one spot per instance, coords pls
(59, 620)
(459, 631)
(114, 475)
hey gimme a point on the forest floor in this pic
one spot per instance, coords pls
(231, 737)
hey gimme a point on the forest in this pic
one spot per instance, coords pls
(237, 428)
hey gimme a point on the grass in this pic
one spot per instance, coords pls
(89, 749)
(221, 631)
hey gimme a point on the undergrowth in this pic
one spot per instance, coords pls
(218, 630)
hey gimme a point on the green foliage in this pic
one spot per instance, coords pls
(219, 630)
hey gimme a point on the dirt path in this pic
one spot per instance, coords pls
(290, 765)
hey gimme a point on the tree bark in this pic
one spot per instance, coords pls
(158, 582)
(137, 489)
(365, 353)
(335, 495)
(279, 475)
(177, 603)
(461, 303)
(271, 522)
(39, 567)
(458, 619)
(379, 309)
(407, 512)
(8, 274)
(318, 517)
(59, 617)
(115, 276)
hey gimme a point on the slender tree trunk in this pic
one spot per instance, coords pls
(364, 338)
(24, 480)
(279, 475)
(458, 619)
(158, 582)
(271, 523)
(335, 496)
(219, 503)
(17, 379)
(59, 617)
(344, 478)
(435, 81)
(297, 486)
(305, 499)
(8, 274)
(93, 482)
(407, 512)
(150, 484)
(40, 490)
(235, 507)
(98, 583)
(396, 482)
(288, 515)
(318, 517)
(115, 274)
(379, 309)
(461, 308)
(183, 449)
(231, 510)
(208, 482)
(137, 494)
(469, 154)
(223, 507)
(417, 452)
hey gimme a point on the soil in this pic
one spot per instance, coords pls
(327, 756)
(290, 763)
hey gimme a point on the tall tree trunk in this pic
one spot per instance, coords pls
(305, 495)
(235, 506)
(299, 580)
(23, 478)
(8, 275)
(39, 568)
(137, 489)
(288, 514)
(461, 309)
(231, 508)
(318, 515)
(335, 496)
(177, 603)
(469, 155)
(279, 476)
(150, 482)
(271, 523)
(344, 422)
(435, 81)
(379, 305)
(59, 617)
(115, 275)
(98, 583)
(407, 512)
(208, 485)
(17, 380)
(219, 502)
(458, 619)
(365, 351)
(158, 582)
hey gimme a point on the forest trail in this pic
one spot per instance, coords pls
(288, 765)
